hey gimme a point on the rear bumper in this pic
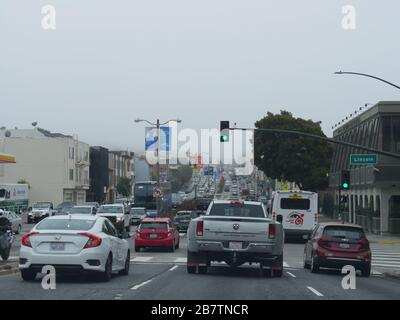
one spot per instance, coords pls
(167, 242)
(248, 247)
(338, 263)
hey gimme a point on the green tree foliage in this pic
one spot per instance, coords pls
(299, 159)
(124, 186)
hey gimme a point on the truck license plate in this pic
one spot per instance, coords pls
(235, 245)
(57, 246)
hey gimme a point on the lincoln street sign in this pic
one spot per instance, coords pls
(363, 159)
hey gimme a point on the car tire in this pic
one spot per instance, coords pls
(18, 230)
(29, 221)
(202, 269)
(314, 266)
(137, 249)
(277, 273)
(172, 248)
(305, 264)
(125, 271)
(366, 271)
(28, 275)
(191, 269)
(177, 245)
(266, 273)
(106, 275)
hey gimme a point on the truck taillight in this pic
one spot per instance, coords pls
(92, 242)
(25, 241)
(199, 228)
(271, 231)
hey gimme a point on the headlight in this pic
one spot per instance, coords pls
(120, 219)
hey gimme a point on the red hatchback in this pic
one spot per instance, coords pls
(334, 245)
(156, 232)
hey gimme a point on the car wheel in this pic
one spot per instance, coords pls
(314, 265)
(202, 269)
(277, 273)
(305, 264)
(106, 275)
(137, 249)
(125, 272)
(18, 230)
(265, 272)
(28, 275)
(366, 271)
(177, 245)
(191, 269)
(172, 248)
(29, 221)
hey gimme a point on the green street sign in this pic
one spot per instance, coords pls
(363, 159)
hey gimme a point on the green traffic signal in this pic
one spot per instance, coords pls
(345, 185)
(224, 138)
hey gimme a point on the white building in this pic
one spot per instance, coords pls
(56, 166)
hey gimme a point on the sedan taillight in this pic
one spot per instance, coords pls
(199, 228)
(25, 241)
(271, 231)
(92, 242)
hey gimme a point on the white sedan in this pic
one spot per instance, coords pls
(74, 243)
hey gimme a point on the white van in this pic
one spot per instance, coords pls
(298, 211)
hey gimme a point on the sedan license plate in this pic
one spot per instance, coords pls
(344, 245)
(153, 236)
(57, 246)
(235, 245)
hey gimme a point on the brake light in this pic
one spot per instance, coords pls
(199, 228)
(237, 202)
(324, 242)
(92, 242)
(364, 244)
(25, 241)
(271, 231)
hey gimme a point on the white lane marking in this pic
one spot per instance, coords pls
(385, 265)
(141, 285)
(285, 264)
(141, 259)
(376, 272)
(291, 274)
(386, 259)
(173, 268)
(181, 260)
(182, 234)
(319, 294)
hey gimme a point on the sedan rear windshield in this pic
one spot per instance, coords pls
(232, 210)
(153, 225)
(66, 224)
(344, 232)
(81, 210)
(295, 204)
(110, 209)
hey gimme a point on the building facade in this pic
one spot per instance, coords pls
(56, 166)
(119, 166)
(373, 199)
(99, 181)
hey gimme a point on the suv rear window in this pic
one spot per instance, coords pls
(66, 224)
(344, 232)
(232, 210)
(153, 225)
(295, 204)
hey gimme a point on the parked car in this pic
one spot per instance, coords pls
(16, 221)
(83, 210)
(40, 210)
(78, 243)
(157, 232)
(137, 215)
(64, 207)
(117, 214)
(334, 245)
(235, 232)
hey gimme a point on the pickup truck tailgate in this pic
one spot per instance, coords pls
(218, 228)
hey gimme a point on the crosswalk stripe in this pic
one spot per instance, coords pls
(141, 259)
(183, 260)
(386, 265)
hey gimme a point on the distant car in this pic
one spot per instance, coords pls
(137, 215)
(334, 245)
(83, 210)
(157, 232)
(40, 210)
(95, 204)
(64, 207)
(15, 220)
(78, 243)
(117, 214)
(182, 220)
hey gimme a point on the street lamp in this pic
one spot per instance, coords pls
(369, 76)
(157, 125)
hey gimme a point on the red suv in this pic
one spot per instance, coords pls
(334, 245)
(156, 232)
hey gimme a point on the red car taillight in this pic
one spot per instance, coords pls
(271, 231)
(25, 241)
(364, 244)
(324, 243)
(199, 228)
(92, 242)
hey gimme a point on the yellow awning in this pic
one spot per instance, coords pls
(7, 158)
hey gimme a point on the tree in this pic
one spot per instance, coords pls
(124, 186)
(298, 159)
(23, 181)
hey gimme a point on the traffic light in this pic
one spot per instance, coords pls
(345, 180)
(224, 130)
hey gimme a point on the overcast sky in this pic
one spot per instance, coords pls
(109, 62)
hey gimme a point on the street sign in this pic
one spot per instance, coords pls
(363, 158)
(157, 193)
(151, 139)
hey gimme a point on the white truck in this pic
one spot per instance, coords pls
(235, 232)
(14, 197)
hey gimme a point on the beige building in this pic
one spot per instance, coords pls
(56, 166)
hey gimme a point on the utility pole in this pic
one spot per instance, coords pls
(158, 169)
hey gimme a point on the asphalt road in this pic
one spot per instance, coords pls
(160, 275)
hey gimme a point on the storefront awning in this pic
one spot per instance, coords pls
(7, 158)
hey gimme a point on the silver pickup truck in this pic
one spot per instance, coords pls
(235, 232)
